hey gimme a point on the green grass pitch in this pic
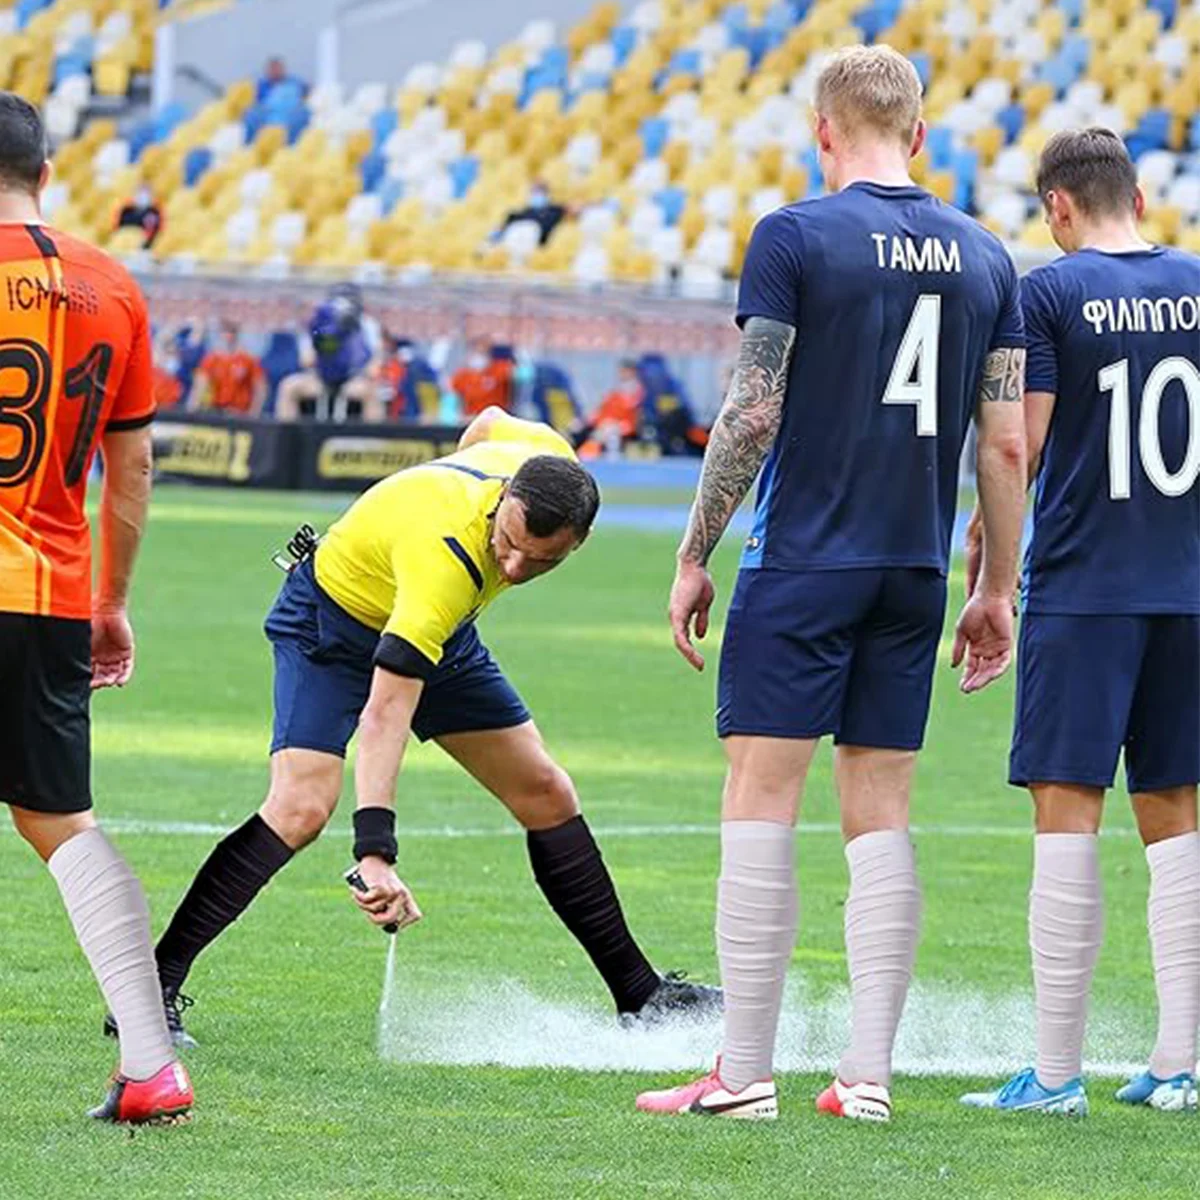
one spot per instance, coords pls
(296, 1100)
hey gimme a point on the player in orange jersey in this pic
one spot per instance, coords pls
(75, 374)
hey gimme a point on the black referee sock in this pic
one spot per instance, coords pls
(232, 875)
(572, 875)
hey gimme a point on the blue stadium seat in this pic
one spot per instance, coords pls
(383, 124)
(553, 396)
(924, 65)
(654, 133)
(1154, 129)
(672, 201)
(1194, 134)
(372, 169)
(735, 17)
(143, 134)
(940, 144)
(1168, 9)
(685, 62)
(1059, 72)
(391, 193)
(624, 41)
(966, 171)
(463, 173)
(167, 118)
(757, 41)
(1011, 119)
(1076, 49)
(1073, 10)
(198, 160)
(28, 9)
(71, 63)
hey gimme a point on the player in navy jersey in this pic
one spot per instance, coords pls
(1109, 655)
(875, 322)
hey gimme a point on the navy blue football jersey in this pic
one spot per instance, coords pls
(897, 299)
(1116, 338)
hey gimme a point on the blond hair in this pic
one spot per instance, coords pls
(873, 88)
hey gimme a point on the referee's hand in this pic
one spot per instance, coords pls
(692, 596)
(386, 899)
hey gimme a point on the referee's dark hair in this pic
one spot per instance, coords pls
(1093, 167)
(22, 144)
(556, 493)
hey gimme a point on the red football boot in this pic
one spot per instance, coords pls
(166, 1099)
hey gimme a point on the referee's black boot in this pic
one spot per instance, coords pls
(677, 999)
(175, 1004)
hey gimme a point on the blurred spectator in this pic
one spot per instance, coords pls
(188, 348)
(541, 210)
(168, 391)
(618, 419)
(141, 212)
(230, 379)
(486, 378)
(410, 383)
(338, 379)
(667, 414)
(274, 73)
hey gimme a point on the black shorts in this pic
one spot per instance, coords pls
(45, 696)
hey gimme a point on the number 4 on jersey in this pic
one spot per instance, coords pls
(914, 376)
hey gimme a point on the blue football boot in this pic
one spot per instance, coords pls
(1177, 1094)
(1023, 1093)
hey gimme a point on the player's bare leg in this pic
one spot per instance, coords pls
(1167, 823)
(108, 910)
(757, 914)
(1066, 924)
(882, 919)
(304, 791)
(514, 765)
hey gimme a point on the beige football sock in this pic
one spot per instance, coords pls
(1174, 916)
(1066, 924)
(756, 931)
(883, 925)
(112, 923)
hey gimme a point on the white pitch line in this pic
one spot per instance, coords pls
(135, 827)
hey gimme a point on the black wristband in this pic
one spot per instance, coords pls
(375, 834)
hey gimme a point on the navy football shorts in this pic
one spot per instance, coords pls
(849, 652)
(324, 664)
(1090, 686)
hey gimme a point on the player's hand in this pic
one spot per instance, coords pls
(692, 596)
(974, 549)
(112, 648)
(984, 637)
(386, 899)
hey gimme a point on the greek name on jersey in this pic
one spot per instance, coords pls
(922, 254)
(1127, 314)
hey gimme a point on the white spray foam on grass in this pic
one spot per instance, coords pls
(945, 1032)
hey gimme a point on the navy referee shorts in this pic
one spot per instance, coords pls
(324, 661)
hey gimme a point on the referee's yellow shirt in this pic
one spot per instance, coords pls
(412, 557)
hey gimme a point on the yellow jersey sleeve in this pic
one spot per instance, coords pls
(438, 588)
(529, 433)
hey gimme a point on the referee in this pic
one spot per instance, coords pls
(376, 632)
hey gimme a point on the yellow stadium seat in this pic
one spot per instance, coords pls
(941, 184)
(110, 76)
(794, 182)
(1189, 238)
(1036, 98)
(269, 141)
(1036, 235)
(692, 223)
(988, 141)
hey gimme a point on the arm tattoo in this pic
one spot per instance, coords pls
(744, 431)
(1003, 376)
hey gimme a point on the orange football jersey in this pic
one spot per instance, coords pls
(74, 362)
